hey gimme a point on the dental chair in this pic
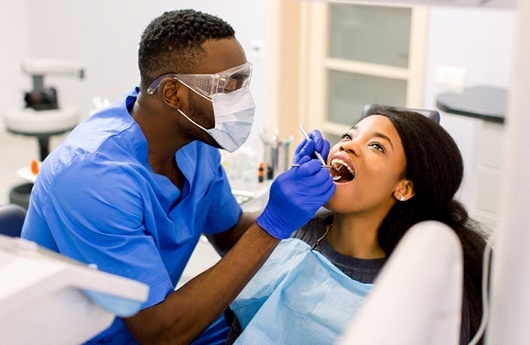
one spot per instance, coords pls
(372, 109)
(417, 297)
(42, 117)
(11, 219)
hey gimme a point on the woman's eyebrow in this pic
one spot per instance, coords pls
(384, 137)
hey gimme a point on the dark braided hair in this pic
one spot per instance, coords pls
(172, 43)
(435, 167)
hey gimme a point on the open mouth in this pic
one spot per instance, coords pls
(341, 169)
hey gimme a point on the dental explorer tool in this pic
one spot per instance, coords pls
(319, 156)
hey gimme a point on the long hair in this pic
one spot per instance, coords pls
(172, 42)
(435, 167)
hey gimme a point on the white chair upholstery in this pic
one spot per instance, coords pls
(41, 124)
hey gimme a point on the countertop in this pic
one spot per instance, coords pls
(482, 102)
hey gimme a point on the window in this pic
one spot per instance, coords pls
(341, 57)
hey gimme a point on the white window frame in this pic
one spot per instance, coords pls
(298, 65)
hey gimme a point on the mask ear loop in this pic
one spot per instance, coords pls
(190, 120)
(198, 93)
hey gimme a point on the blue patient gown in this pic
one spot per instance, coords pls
(297, 297)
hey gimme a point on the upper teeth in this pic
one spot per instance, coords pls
(339, 163)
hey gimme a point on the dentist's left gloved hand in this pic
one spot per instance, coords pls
(295, 196)
(308, 147)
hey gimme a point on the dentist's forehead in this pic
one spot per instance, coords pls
(222, 55)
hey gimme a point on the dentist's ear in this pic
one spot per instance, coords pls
(171, 92)
(404, 190)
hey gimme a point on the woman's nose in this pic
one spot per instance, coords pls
(349, 147)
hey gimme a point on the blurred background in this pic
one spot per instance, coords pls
(315, 63)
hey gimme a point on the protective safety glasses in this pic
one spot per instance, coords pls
(208, 85)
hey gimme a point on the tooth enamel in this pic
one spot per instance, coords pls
(342, 163)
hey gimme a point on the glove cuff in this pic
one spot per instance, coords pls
(271, 227)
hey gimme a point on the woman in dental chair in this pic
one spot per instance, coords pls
(397, 168)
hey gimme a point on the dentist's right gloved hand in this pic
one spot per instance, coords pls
(294, 198)
(308, 147)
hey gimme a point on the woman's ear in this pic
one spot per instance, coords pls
(404, 190)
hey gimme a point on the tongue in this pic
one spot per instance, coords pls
(344, 173)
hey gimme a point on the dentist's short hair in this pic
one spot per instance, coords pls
(172, 42)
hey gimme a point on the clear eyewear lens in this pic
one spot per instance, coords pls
(235, 78)
(209, 84)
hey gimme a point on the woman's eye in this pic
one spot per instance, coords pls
(378, 147)
(346, 136)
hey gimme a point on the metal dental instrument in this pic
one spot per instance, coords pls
(319, 156)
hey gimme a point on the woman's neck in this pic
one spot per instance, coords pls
(355, 237)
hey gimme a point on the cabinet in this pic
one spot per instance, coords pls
(373, 54)
(490, 173)
(489, 105)
(334, 58)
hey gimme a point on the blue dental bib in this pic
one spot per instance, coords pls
(297, 297)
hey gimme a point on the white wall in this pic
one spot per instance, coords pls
(14, 45)
(482, 42)
(104, 35)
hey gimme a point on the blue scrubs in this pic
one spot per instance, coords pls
(97, 200)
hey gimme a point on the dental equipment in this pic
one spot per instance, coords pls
(42, 117)
(428, 280)
(319, 156)
(81, 300)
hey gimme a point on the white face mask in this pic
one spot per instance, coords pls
(234, 115)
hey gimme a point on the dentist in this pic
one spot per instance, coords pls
(135, 185)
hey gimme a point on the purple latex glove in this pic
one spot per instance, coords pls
(308, 147)
(295, 196)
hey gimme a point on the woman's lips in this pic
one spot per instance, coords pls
(342, 165)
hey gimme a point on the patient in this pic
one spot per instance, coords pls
(397, 168)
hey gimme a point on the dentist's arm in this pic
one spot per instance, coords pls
(294, 198)
(224, 241)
